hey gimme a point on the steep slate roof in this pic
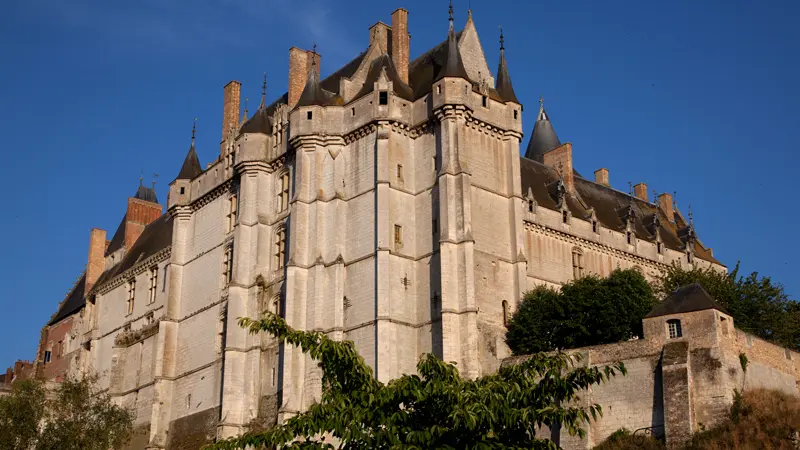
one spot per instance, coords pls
(155, 237)
(313, 93)
(191, 165)
(73, 303)
(118, 240)
(453, 65)
(685, 299)
(544, 137)
(503, 85)
(610, 207)
(380, 63)
(145, 193)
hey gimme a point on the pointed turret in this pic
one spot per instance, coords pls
(191, 165)
(453, 66)
(313, 94)
(503, 86)
(544, 137)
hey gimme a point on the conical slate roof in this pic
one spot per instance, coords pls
(313, 94)
(453, 66)
(503, 85)
(191, 165)
(544, 138)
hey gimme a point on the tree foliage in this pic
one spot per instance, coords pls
(435, 408)
(623, 439)
(75, 415)
(587, 311)
(758, 305)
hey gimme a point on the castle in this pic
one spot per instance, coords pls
(387, 204)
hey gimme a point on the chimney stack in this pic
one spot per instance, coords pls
(601, 176)
(640, 191)
(560, 158)
(230, 107)
(400, 43)
(96, 260)
(140, 213)
(665, 204)
(299, 65)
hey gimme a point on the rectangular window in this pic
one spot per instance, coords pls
(674, 327)
(283, 194)
(398, 235)
(309, 115)
(383, 98)
(594, 226)
(227, 266)
(629, 237)
(233, 206)
(183, 190)
(47, 356)
(515, 114)
(131, 296)
(577, 265)
(352, 112)
(60, 349)
(400, 172)
(484, 101)
(564, 216)
(280, 248)
(153, 285)
(435, 226)
(149, 318)
(658, 247)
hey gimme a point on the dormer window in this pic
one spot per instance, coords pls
(383, 98)
(309, 115)
(674, 329)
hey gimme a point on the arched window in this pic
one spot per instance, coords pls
(674, 328)
(283, 192)
(577, 262)
(280, 248)
(505, 313)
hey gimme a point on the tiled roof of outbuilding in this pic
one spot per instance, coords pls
(685, 299)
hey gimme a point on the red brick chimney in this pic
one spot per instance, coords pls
(640, 191)
(400, 43)
(560, 158)
(140, 214)
(299, 65)
(601, 176)
(230, 107)
(96, 260)
(665, 204)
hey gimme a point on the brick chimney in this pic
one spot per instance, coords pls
(380, 33)
(400, 43)
(230, 107)
(601, 176)
(560, 158)
(299, 65)
(140, 214)
(96, 260)
(640, 191)
(665, 204)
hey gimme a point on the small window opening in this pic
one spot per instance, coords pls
(530, 206)
(505, 313)
(674, 328)
(658, 247)
(515, 114)
(47, 356)
(189, 401)
(594, 226)
(183, 190)
(399, 172)
(433, 163)
(483, 101)
(280, 248)
(274, 378)
(439, 89)
(628, 236)
(309, 115)
(398, 235)
(689, 257)
(577, 263)
(383, 98)
(724, 324)
(564, 216)
(352, 111)
(434, 226)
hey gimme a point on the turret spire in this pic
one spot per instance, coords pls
(244, 117)
(453, 66)
(504, 87)
(194, 130)
(544, 137)
(191, 165)
(263, 92)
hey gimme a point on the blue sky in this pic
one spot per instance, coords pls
(695, 97)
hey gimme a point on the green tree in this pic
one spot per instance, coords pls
(587, 311)
(75, 415)
(21, 411)
(758, 305)
(434, 409)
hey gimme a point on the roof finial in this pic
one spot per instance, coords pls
(245, 109)
(502, 39)
(194, 130)
(155, 175)
(691, 217)
(630, 188)
(674, 199)
(264, 90)
(450, 10)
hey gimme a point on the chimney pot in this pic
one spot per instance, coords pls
(400, 44)
(230, 107)
(601, 176)
(560, 158)
(665, 205)
(640, 191)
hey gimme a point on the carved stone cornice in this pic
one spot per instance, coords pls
(309, 140)
(211, 195)
(452, 111)
(137, 269)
